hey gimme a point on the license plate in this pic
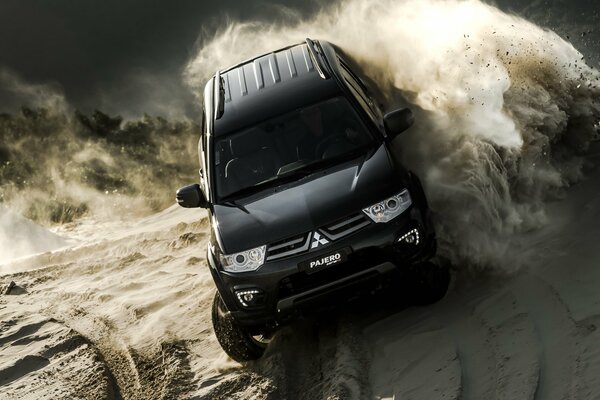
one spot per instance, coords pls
(324, 261)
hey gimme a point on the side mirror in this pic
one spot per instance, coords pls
(191, 197)
(398, 121)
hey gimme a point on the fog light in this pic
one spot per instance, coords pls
(410, 237)
(249, 298)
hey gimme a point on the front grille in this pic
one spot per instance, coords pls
(288, 247)
(346, 226)
(301, 243)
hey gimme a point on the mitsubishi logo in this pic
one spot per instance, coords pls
(318, 240)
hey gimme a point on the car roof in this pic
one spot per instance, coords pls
(272, 84)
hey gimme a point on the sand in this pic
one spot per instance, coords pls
(122, 310)
(532, 334)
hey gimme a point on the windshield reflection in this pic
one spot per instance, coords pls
(293, 144)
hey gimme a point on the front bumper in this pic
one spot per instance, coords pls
(286, 289)
(311, 296)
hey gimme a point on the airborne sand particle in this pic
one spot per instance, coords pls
(489, 162)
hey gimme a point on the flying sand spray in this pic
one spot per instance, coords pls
(504, 108)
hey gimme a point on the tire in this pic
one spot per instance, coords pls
(236, 341)
(428, 283)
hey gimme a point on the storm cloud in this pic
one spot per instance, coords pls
(120, 56)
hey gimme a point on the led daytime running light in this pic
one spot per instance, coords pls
(240, 296)
(413, 232)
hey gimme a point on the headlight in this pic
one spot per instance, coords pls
(389, 209)
(243, 261)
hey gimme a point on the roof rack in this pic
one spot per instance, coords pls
(219, 96)
(316, 53)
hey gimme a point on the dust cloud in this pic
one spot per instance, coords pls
(58, 164)
(20, 237)
(504, 108)
(15, 90)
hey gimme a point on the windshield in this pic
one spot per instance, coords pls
(294, 144)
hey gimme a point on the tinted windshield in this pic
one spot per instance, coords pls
(296, 143)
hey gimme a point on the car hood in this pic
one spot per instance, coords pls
(318, 200)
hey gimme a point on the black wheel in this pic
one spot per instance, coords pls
(239, 343)
(427, 283)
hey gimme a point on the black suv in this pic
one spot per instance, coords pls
(308, 205)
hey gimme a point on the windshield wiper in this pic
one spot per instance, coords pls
(233, 203)
(273, 181)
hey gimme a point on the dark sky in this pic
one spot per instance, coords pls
(116, 55)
